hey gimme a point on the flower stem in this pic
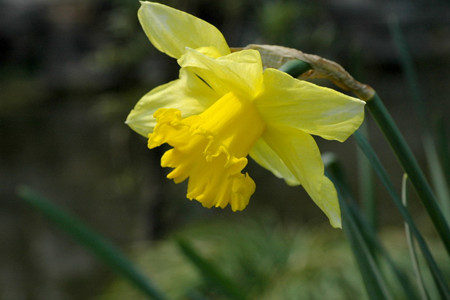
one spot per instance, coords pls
(295, 68)
(410, 166)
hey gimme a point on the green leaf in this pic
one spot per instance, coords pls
(380, 253)
(366, 184)
(373, 279)
(410, 166)
(412, 248)
(93, 242)
(443, 147)
(377, 251)
(382, 175)
(435, 166)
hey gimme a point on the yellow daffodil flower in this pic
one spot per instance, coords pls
(224, 106)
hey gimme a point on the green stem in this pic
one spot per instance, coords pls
(410, 166)
(366, 184)
(295, 67)
(401, 150)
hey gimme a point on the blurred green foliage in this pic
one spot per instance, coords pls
(71, 71)
(264, 258)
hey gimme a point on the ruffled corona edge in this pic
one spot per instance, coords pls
(215, 177)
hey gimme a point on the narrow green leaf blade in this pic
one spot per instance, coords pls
(367, 192)
(435, 166)
(372, 277)
(373, 240)
(412, 248)
(92, 241)
(382, 175)
(410, 166)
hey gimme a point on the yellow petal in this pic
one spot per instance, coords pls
(269, 159)
(300, 154)
(240, 72)
(314, 109)
(210, 149)
(171, 30)
(189, 94)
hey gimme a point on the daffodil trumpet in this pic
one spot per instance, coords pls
(225, 106)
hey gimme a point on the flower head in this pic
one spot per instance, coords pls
(224, 107)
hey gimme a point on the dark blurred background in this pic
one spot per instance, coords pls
(70, 72)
